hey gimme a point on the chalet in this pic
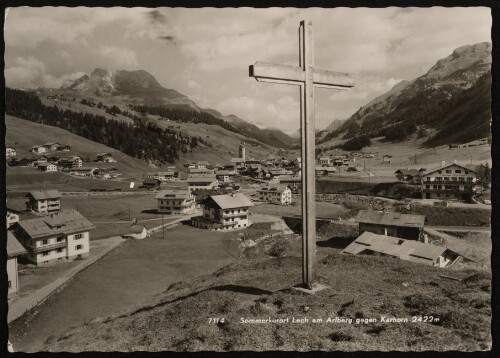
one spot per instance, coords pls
(10, 152)
(279, 194)
(55, 237)
(179, 201)
(202, 182)
(409, 176)
(278, 173)
(166, 175)
(41, 160)
(190, 165)
(83, 171)
(224, 176)
(386, 158)
(294, 182)
(200, 171)
(51, 146)
(368, 155)
(224, 212)
(38, 149)
(21, 162)
(14, 250)
(324, 171)
(69, 162)
(43, 201)
(150, 183)
(152, 175)
(450, 182)
(409, 250)
(63, 148)
(105, 158)
(251, 162)
(47, 167)
(324, 161)
(404, 226)
(202, 164)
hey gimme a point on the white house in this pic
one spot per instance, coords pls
(47, 167)
(202, 182)
(179, 201)
(324, 161)
(279, 194)
(54, 237)
(14, 249)
(43, 201)
(10, 152)
(450, 182)
(38, 149)
(224, 212)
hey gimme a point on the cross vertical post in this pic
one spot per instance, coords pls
(306, 77)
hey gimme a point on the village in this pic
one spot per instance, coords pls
(220, 198)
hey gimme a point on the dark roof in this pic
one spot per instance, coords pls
(150, 181)
(64, 222)
(280, 188)
(173, 194)
(14, 248)
(392, 218)
(44, 194)
(473, 168)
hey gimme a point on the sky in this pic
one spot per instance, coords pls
(205, 53)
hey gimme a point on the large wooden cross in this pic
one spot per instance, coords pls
(307, 77)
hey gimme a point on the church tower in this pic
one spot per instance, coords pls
(242, 151)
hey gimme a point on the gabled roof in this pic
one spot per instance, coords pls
(224, 172)
(173, 194)
(231, 201)
(408, 250)
(14, 248)
(473, 168)
(168, 172)
(44, 194)
(237, 160)
(103, 154)
(391, 218)
(324, 158)
(51, 143)
(290, 178)
(64, 222)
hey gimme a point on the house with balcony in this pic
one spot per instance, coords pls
(181, 201)
(14, 250)
(224, 176)
(276, 194)
(166, 175)
(200, 181)
(43, 201)
(404, 226)
(55, 237)
(325, 171)
(202, 164)
(224, 212)
(450, 182)
(67, 163)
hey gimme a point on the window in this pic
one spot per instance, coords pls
(45, 253)
(458, 171)
(439, 171)
(79, 247)
(469, 179)
(60, 238)
(78, 236)
(45, 242)
(466, 172)
(59, 250)
(10, 284)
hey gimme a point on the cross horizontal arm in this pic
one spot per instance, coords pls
(271, 72)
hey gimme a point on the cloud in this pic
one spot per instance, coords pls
(30, 72)
(120, 56)
(169, 39)
(193, 84)
(156, 17)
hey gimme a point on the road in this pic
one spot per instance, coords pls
(461, 228)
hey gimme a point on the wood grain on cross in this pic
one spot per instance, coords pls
(307, 77)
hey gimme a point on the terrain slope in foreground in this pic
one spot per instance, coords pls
(360, 287)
